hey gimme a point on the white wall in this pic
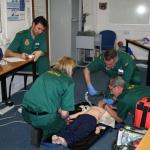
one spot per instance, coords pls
(99, 20)
(9, 29)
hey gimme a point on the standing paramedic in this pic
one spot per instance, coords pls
(113, 63)
(48, 102)
(31, 41)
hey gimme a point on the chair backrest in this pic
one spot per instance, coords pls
(107, 39)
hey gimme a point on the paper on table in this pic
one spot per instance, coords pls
(13, 59)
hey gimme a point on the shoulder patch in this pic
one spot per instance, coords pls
(131, 87)
(27, 42)
(126, 64)
(54, 73)
(123, 52)
(100, 57)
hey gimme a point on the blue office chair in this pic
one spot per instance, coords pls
(107, 39)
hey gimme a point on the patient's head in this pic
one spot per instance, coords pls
(120, 44)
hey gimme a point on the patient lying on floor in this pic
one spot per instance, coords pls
(84, 124)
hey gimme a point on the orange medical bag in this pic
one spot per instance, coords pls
(142, 113)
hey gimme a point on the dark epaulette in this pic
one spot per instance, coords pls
(123, 52)
(127, 63)
(101, 56)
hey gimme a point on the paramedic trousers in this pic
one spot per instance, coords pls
(79, 129)
(49, 123)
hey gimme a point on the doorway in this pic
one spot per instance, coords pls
(65, 20)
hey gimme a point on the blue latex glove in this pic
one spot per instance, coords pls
(91, 90)
(108, 101)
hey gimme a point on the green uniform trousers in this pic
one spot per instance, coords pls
(49, 123)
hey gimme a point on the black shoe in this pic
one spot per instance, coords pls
(36, 137)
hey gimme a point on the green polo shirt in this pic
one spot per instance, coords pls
(126, 102)
(25, 43)
(50, 92)
(124, 64)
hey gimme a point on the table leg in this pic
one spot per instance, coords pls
(34, 71)
(148, 70)
(4, 92)
(126, 46)
(3, 89)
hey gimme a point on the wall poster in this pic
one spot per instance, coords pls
(15, 10)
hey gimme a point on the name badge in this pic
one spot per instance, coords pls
(120, 71)
(37, 44)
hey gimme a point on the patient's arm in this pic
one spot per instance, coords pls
(74, 116)
(101, 103)
(99, 128)
(64, 114)
(113, 113)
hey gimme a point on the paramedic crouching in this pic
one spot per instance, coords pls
(113, 63)
(51, 97)
(126, 97)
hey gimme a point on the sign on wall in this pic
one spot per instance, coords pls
(15, 10)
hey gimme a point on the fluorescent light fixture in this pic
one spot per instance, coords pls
(141, 9)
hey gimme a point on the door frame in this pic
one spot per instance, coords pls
(47, 18)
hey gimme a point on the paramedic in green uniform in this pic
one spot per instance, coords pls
(113, 63)
(31, 41)
(126, 97)
(51, 97)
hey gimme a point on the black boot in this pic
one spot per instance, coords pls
(36, 136)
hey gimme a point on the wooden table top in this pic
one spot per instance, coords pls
(145, 142)
(12, 66)
(139, 43)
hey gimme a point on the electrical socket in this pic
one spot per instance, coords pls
(6, 109)
(126, 32)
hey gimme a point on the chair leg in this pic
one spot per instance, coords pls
(11, 85)
(25, 81)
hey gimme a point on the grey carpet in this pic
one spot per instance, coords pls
(15, 134)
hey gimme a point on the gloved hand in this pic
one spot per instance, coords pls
(108, 101)
(91, 90)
